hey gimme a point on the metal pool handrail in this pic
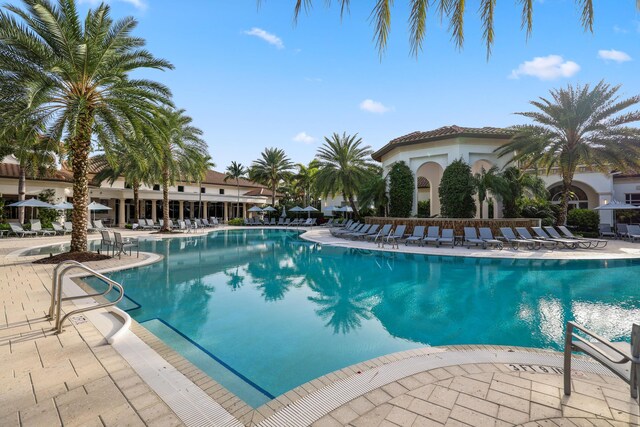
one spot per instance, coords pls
(56, 292)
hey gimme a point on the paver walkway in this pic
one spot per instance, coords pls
(489, 395)
(74, 378)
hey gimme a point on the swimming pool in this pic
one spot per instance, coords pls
(263, 311)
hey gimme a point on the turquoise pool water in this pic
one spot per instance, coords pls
(263, 311)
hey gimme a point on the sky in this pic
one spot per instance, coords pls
(251, 79)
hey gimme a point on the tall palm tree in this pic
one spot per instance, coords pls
(77, 78)
(273, 167)
(485, 181)
(579, 125)
(344, 165)
(36, 155)
(182, 154)
(236, 171)
(453, 10)
(305, 180)
(514, 185)
(373, 191)
(130, 161)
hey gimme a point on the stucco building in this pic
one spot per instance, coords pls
(429, 153)
(217, 197)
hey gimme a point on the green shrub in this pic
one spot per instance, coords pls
(424, 208)
(128, 226)
(401, 189)
(457, 188)
(47, 216)
(584, 219)
(236, 221)
(538, 208)
(5, 226)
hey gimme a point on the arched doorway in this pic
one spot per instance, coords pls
(489, 208)
(578, 198)
(428, 178)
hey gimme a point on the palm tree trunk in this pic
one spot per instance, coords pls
(80, 146)
(273, 194)
(566, 194)
(22, 192)
(165, 201)
(481, 202)
(136, 201)
(353, 206)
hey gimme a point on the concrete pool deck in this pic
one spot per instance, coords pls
(77, 379)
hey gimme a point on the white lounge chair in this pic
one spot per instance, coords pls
(19, 231)
(416, 236)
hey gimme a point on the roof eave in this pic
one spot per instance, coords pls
(377, 156)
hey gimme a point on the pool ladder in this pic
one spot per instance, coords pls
(56, 292)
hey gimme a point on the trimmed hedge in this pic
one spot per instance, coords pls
(401, 189)
(457, 188)
(236, 221)
(585, 220)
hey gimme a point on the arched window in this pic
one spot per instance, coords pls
(577, 198)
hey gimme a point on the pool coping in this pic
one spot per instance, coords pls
(321, 234)
(293, 403)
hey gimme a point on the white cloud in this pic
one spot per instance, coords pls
(546, 68)
(304, 138)
(313, 79)
(613, 55)
(138, 4)
(272, 39)
(373, 106)
(620, 30)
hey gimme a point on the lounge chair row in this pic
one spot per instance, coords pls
(544, 237)
(148, 224)
(18, 230)
(283, 222)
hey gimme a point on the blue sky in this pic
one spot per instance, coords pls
(250, 79)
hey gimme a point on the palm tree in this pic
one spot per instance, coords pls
(36, 155)
(130, 161)
(373, 191)
(485, 181)
(578, 125)
(454, 10)
(76, 76)
(182, 154)
(514, 185)
(236, 171)
(344, 165)
(271, 169)
(305, 180)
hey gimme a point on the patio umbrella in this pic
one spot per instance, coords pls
(31, 203)
(269, 209)
(615, 205)
(63, 206)
(95, 206)
(254, 209)
(296, 209)
(309, 209)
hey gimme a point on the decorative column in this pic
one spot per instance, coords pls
(226, 211)
(121, 214)
(181, 210)
(205, 210)
(244, 210)
(191, 209)
(154, 216)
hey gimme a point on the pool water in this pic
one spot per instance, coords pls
(263, 311)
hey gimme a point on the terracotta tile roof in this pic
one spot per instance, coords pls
(262, 192)
(12, 170)
(211, 176)
(442, 133)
